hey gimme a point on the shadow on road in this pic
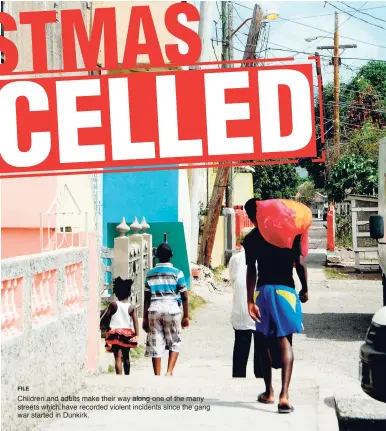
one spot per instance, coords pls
(315, 260)
(337, 326)
(238, 404)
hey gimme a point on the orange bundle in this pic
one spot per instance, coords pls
(281, 220)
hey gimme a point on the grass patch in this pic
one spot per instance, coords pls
(217, 272)
(195, 302)
(137, 353)
(335, 274)
(111, 369)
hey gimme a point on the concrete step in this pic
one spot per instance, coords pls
(357, 411)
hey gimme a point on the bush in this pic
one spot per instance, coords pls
(352, 174)
(343, 233)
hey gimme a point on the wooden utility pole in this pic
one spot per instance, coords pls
(253, 35)
(336, 63)
(336, 88)
(220, 184)
(216, 200)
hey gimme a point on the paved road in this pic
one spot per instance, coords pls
(318, 235)
(335, 320)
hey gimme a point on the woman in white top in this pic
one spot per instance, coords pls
(122, 324)
(242, 323)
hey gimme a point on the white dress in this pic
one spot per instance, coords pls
(121, 319)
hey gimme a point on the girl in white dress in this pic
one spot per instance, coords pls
(121, 323)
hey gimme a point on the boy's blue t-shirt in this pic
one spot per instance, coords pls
(165, 282)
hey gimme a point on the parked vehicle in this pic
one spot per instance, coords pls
(373, 353)
(372, 368)
(378, 223)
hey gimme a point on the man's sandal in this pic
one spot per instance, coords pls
(260, 399)
(285, 409)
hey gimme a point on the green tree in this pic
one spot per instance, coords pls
(275, 181)
(317, 171)
(363, 122)
(352, 174)
(365, 141)
(372, 73)
(307, 192)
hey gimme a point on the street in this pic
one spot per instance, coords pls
(326, 359)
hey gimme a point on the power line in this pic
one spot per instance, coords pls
(357, 17)
(326, 56)
(241, 5)
(357, 107)
(364, 13)
(330, 14)
(325, 31)
(339, 26)
(344, 90)
(235, 9)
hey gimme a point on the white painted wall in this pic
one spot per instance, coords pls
(123, 11)
(81, 189)
(184, 210)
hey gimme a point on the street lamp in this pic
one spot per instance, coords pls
(269, 15)
(310, 39)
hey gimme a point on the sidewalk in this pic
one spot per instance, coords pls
(204, 370)
(326, 361)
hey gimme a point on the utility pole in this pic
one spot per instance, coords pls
(253, 35)
(227, 24)
(215, 205)
(336, 63)
(221, 181)
(196, 175)
(336, 88)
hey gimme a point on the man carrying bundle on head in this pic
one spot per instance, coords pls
(277, 244)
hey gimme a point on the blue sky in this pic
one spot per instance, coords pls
(316, 18)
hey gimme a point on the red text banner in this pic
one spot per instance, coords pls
(156, 118)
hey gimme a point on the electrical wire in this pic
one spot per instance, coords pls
(321, 55)
(339, 26)
(356, 17)
(313, 16)
(325, 31)
(357, 107)
(364, 13)
(235, 9)
(241, 5)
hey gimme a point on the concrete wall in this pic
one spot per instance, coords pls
(218, 253)
(242, 188)
(184, 212)
(22, 37)
(43, 350)
(81, 189)
(123, 11)
(22, 201)
(153, 194)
